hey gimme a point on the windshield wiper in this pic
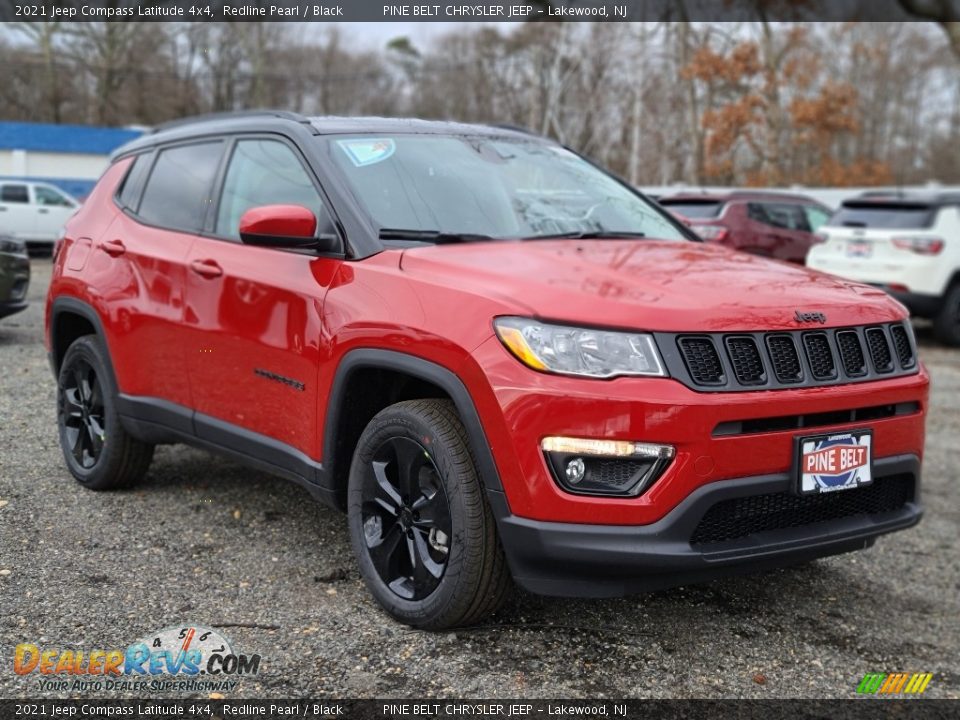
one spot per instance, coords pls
(590, 235)
(432, 236)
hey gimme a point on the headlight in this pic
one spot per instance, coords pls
(13, 247)
(579, 351)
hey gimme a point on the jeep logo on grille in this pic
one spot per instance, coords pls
(807, 317)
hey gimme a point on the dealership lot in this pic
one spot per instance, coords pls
(206, 541)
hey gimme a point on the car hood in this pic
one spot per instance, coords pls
(649, 284)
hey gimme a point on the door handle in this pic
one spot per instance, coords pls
(113, 248)
(206, 268)
(43, 211)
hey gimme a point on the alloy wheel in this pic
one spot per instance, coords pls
(82, 414)
(406, 518)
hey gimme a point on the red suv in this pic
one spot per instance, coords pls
(769, 224)
(503, 363)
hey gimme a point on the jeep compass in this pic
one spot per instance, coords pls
(504, 364)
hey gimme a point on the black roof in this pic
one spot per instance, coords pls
(269, 120)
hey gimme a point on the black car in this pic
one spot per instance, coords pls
(14, 275)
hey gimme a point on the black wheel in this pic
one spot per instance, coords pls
(946, 326)
(420, 525)
(99, 453)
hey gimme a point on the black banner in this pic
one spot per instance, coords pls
(474, 10)
(425, 709)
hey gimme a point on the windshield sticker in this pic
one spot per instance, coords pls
(367, 152)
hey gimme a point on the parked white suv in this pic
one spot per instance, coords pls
(34, 212)
(908, 244)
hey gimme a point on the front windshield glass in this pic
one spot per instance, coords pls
(502, 188)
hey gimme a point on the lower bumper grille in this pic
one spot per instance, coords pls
(740, 517)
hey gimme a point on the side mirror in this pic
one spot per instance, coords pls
(286, 226)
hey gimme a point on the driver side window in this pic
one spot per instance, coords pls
(264, 172)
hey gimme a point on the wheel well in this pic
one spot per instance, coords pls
(369, 390)
(67, 327)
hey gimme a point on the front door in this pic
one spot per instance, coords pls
(254, 314)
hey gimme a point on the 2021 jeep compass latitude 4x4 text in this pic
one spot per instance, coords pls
(504, 364)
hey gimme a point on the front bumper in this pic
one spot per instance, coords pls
(582, 560)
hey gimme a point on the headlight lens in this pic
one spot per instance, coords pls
(579, 351)
(13, 247)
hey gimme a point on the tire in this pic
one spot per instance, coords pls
(425, 539)
(98, 451)
(946, 326)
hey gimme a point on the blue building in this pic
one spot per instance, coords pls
(71, 157)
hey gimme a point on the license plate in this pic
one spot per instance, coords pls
(859, 249)
(834, 462)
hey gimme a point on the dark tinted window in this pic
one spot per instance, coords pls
(779, 215)
(49, 196)
(178, 190)
(14, 194)
(888, 216)
(693, 208)
(133, 183)
(263, 172)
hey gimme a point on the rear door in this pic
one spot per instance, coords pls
(16, 215)
(254, 314)
(144, 253)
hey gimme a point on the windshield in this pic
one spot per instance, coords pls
(884, 216)
(693, 208)
(495, 187)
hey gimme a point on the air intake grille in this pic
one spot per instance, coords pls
(851, 353)
(746, 360)
(879, 350)
(719, 362)
(783, 356)
(741, 517)
(820, 356)
(901, 342)
(702, 360)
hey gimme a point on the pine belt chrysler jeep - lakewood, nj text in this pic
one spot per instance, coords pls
(504, 364)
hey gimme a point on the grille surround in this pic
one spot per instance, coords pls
(738, 518)
(785, 357)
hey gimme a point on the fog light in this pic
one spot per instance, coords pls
(575, 471)
(605, 467)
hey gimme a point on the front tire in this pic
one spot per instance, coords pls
(98, 451)
(946, 326)
(420, 525)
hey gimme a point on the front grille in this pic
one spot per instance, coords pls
(781, 423)
(879, 350)
(614, 472)
(820, 356)
(784, 357)
(901, 342)
(702, 360)
(746, 360)
(740, 517)
(718, 362)
(851, 353)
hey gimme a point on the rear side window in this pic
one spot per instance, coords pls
(14, 194)
(693, 208)
(885, 216)
(178, 190)
(779, 215)
(263, 172)
(133, 183)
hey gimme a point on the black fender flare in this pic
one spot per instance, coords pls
(75, 306)
(424, 370)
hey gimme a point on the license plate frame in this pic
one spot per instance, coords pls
(831, 471)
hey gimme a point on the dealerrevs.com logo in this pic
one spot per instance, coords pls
(188, 658)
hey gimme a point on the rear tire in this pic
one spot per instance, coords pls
(946, 326)
(420, 525)
(98, 451)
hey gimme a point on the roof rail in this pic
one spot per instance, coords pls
(514, 128)
(210, 117)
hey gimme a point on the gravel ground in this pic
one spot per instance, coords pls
(205, 540)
